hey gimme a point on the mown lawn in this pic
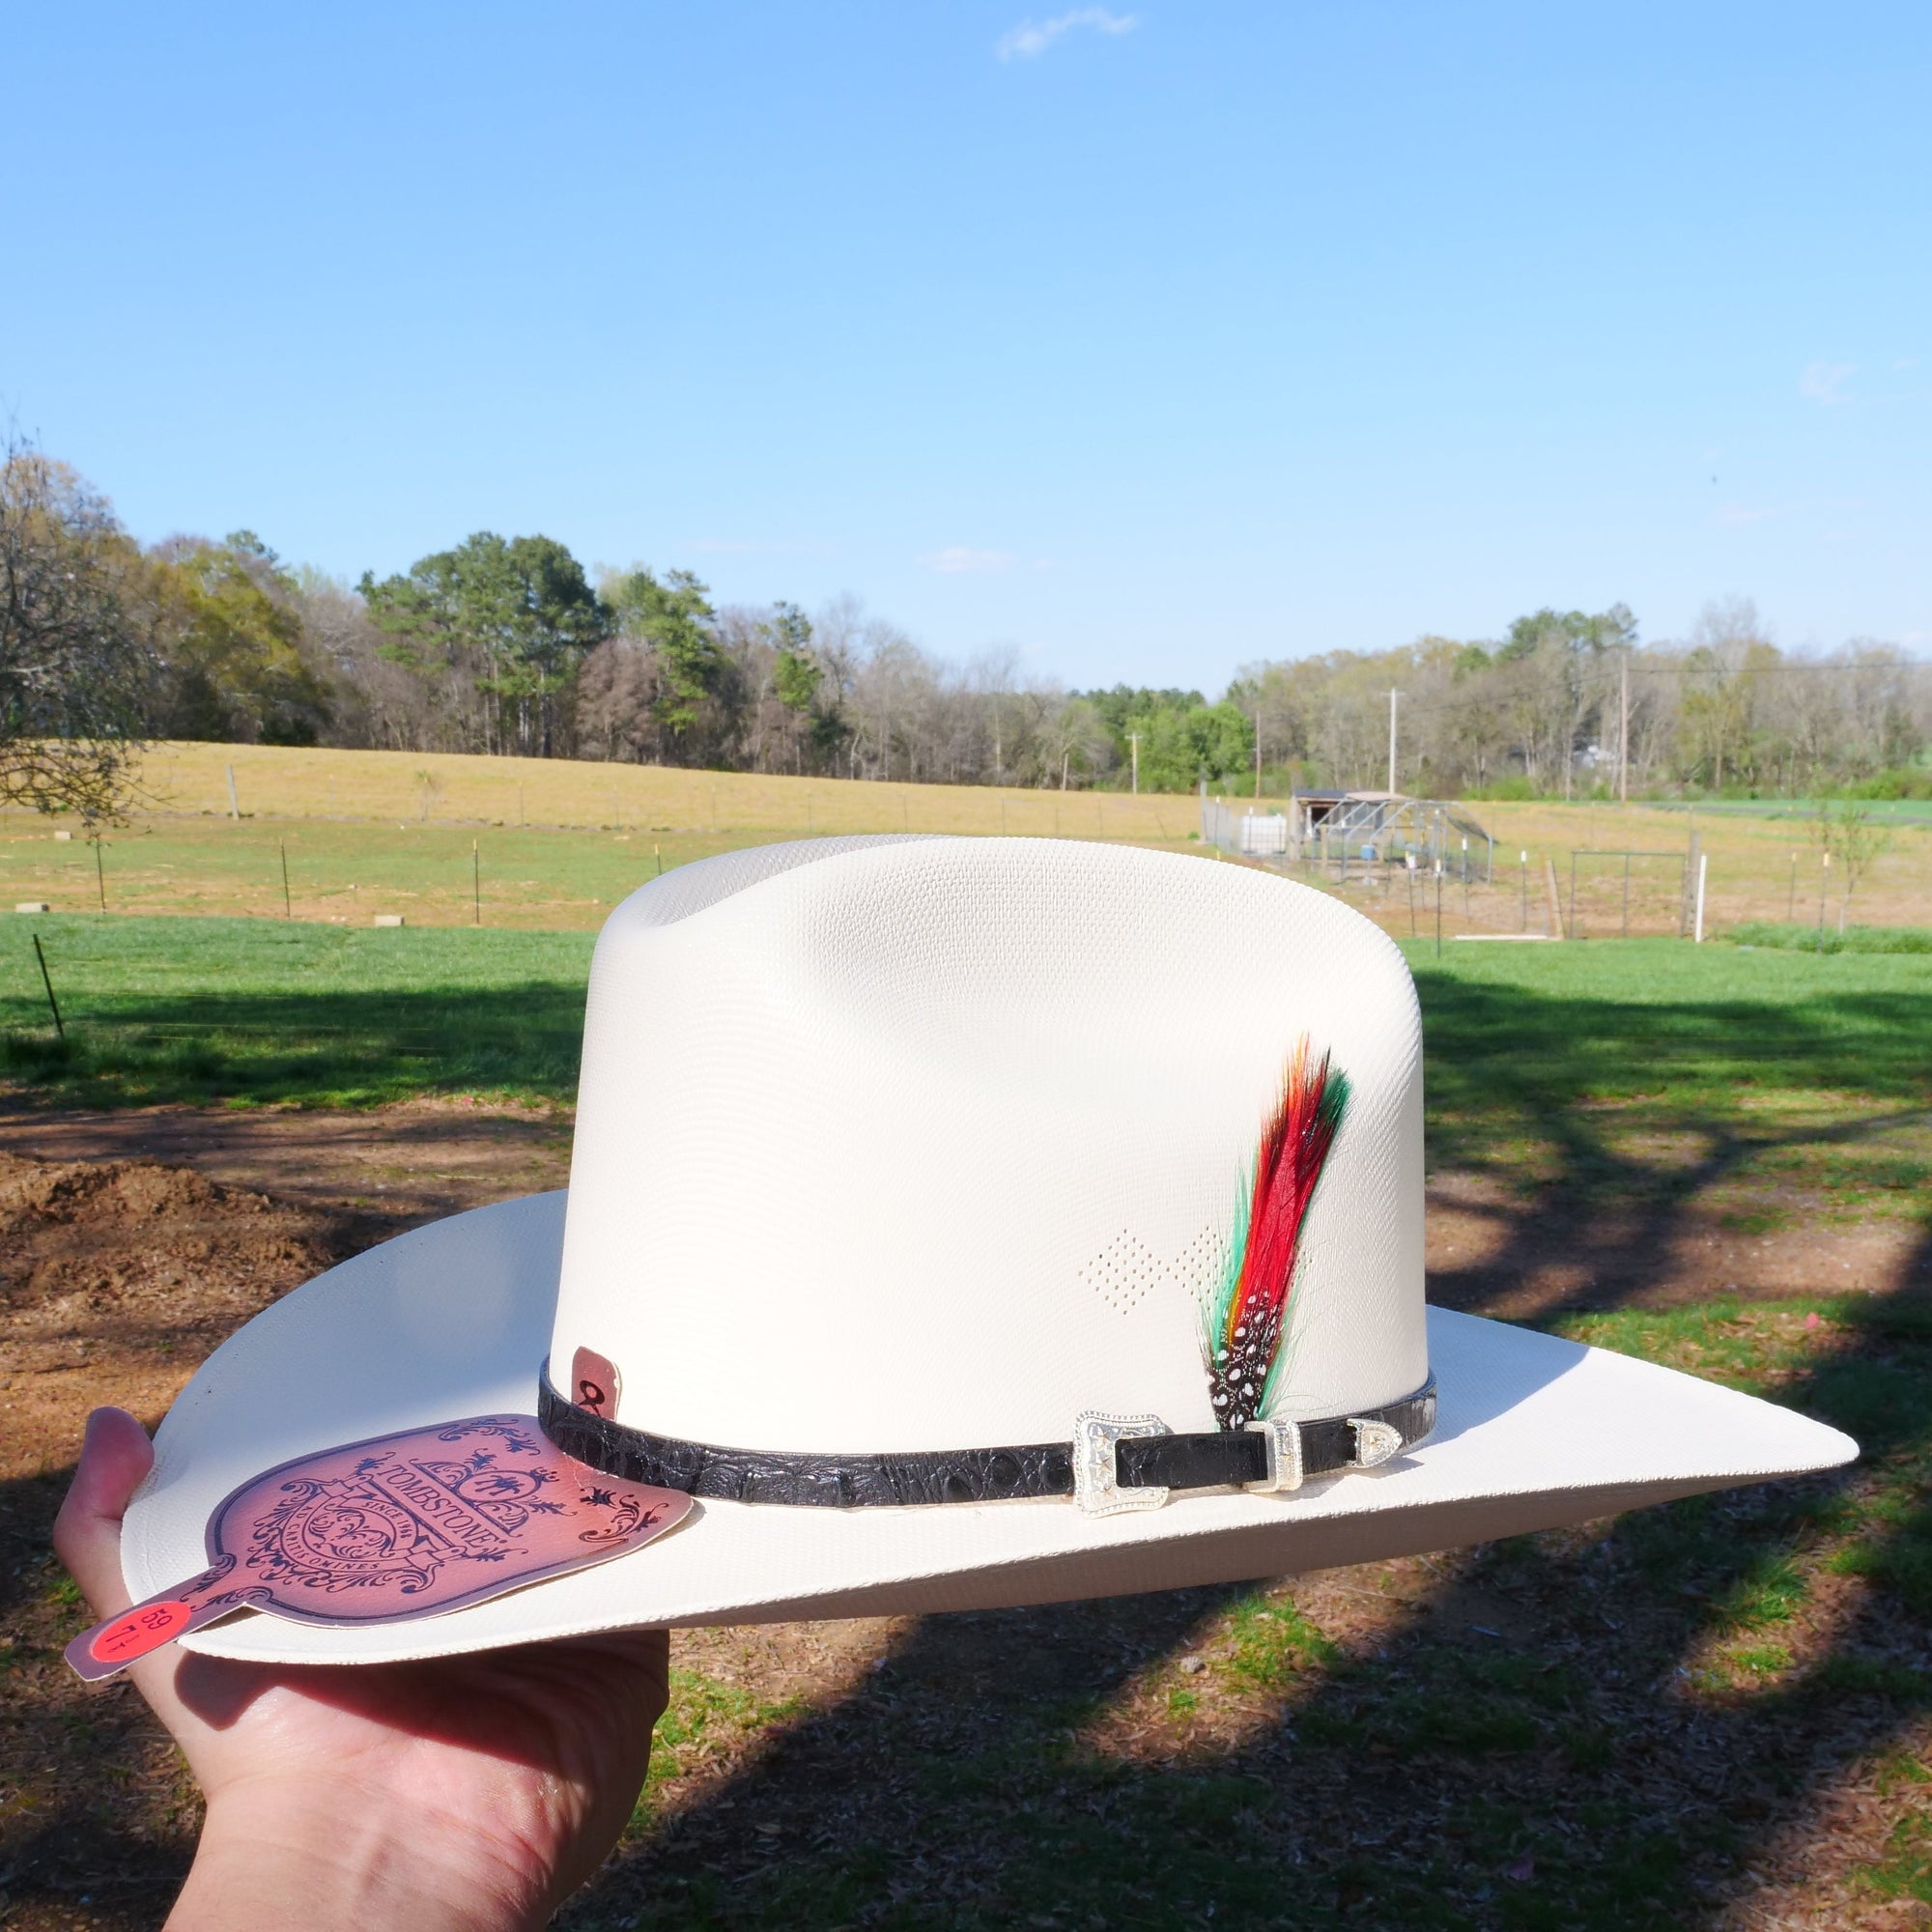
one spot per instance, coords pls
(253, 1011)
(1712, 1715)
(1717, 1714)
(1648, 1075)
(1518, 1038)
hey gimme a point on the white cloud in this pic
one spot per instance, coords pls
(1032, 37)
(956, 561)
(1734, 516)
(1824, 382)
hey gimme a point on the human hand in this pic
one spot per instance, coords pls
(456, 1795)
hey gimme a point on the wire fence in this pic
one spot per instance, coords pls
(1421, 867)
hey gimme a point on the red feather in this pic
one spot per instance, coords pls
(1245, 1335)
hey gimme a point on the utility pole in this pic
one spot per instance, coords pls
(1133, 739)
(1393, 696)
(1624, 732)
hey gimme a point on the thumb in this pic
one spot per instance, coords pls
(87, 1533)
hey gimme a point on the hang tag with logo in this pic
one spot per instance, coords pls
(594, 1382)
(394, 1528)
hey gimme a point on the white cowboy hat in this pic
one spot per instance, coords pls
(969, 1188)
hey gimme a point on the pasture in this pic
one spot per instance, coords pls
(240, 1011)
(343, 838)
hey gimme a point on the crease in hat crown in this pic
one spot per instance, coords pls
(905, 1145)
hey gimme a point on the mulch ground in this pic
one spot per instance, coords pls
(1700, 1717)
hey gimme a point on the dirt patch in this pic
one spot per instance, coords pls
(1492, 1253)
(400, 1165)
(118, 1277)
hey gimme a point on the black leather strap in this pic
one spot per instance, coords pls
(1214, 1459)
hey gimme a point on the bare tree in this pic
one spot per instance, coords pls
(76, 673)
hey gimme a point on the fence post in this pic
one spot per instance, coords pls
(1687, 907)
(1556, 914)
(47, 980)
(1703, 861)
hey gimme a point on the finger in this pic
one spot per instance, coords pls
(87, 1533)
(114, 1455)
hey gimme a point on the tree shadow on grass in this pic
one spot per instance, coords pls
(318, 1048)
(1651, 1711)
(1549, 1098)
(1636, 1730)
(1647, 1716)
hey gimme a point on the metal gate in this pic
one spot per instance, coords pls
(1626, 895)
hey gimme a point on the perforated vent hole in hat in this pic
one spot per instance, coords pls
(1123, 1272)
(1202, 1262)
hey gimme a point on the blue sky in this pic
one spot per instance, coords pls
(1146, 340)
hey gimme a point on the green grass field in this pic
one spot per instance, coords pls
(540, 879)
(1712, 1028)
(1654, 1083)
(255, 1011)
(262, 1010)
(1617, 1728)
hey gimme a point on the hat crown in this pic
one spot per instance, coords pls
(935, 1143)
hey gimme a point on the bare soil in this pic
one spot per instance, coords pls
(1490, 1254)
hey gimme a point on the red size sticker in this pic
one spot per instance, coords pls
(143, 1628)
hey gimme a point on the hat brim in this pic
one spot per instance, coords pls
(453, 1319)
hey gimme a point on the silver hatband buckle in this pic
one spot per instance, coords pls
(1374, 1441)
(1096, 1471)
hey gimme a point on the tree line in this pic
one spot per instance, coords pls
(506, 646)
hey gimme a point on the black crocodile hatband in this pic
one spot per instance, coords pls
(1215, 1460)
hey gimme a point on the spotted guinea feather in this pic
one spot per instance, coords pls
(1244, 1320)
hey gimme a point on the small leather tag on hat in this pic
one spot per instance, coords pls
(391, 1529)
(594, 1384)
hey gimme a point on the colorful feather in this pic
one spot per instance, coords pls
(1243, 1318)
